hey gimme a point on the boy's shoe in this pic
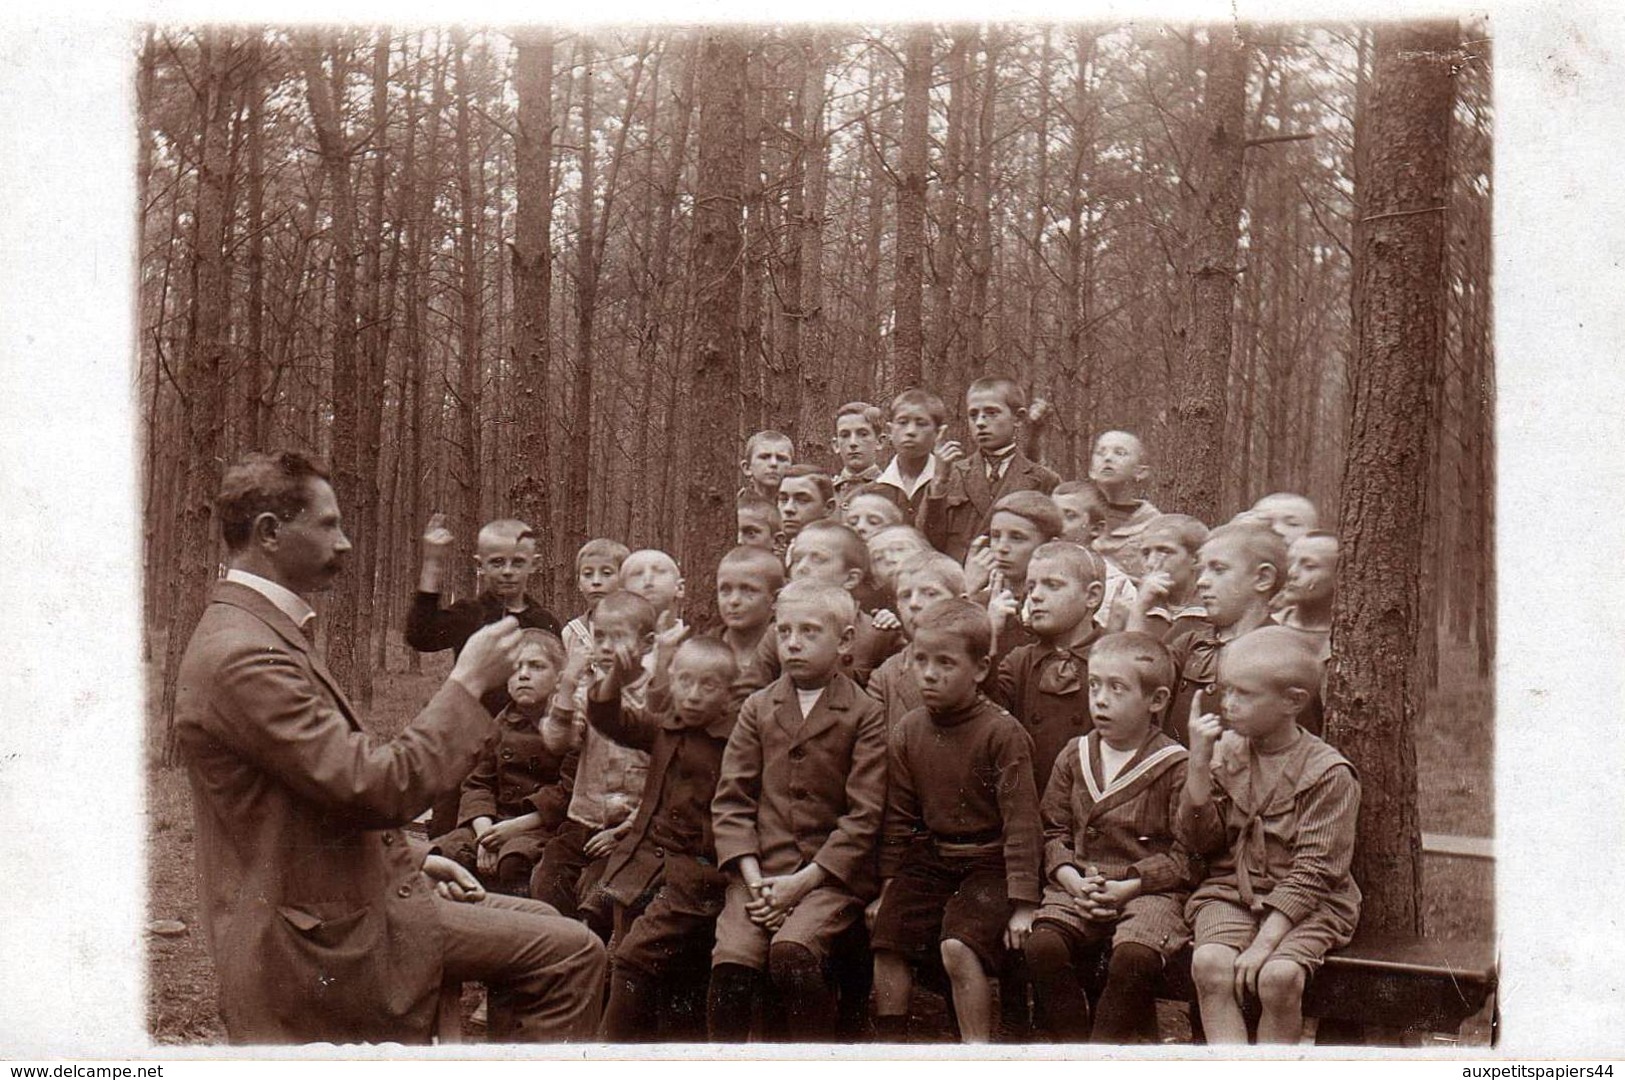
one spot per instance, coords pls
(478, 1018)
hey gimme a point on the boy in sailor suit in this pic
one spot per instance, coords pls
(1116, 880)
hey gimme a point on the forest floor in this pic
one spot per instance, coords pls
(1455, 755)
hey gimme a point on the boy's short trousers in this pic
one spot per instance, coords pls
(570, 881)
(814, 924)
(935, 898)
(1225, 922)
(676, 928)
(1156, 921)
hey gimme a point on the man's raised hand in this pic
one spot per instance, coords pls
(489, 657)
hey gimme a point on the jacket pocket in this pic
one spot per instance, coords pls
(328, 925)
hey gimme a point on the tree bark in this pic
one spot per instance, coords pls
(533, 282)
(713, 374)
(1196, 468)
(202, 387)
(908, 331)
(1374, 694)
(470, 376)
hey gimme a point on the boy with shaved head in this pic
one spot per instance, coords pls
(1288, 513)
(1273, 809)
(1117, 467)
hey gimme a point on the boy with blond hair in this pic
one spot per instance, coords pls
(604, 778)
(918, 419)
(922, 581)
(857, 444)
(1117, 467)
(748, 580)
(959, 500)
(598, 568)
(1044, 683)
(514, 799)
(663, 874)
(961, 850)
(1273, 808)
(1311, 586)
(1240, 569)
(795, 817)
(504, 559)
(870, 508)
(1165, 604)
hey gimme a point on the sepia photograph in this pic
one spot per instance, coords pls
(915, 533)
(759, 535)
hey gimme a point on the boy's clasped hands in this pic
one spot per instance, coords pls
(1097, 899)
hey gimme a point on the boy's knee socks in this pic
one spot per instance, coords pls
(730, 1002)
(630, 1016)
(1062, 1008)
(807, 994)
(1127, 1011)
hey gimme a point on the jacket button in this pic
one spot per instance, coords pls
(660, 853)
(507, 755)
(404, 891)
(389, 839)
(797, 754)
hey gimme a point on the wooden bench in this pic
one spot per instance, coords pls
(1382, 990)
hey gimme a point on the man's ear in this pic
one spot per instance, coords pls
(744, 466)
(835, 445)
(266, 530)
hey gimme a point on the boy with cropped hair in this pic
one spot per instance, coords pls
(504, 560)
(1166, 603)
(514, 799)
(767, 455)
(889, 548)
(598, 568)
(604, 778)
(918, 419)
(960, 854)
(959, 500)
(1117, 467)
(757, 523)
(663, 876)
(1116, 877)
(748, 581)
(795, 817)
(870, 508)
(857, 444)
(1311, 587)
(1240, 569)
(1273, 808)
(1083, 510)
(1044, 683)
(1288, 513)
(922, 581)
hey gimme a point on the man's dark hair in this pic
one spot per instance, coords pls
(263, 483)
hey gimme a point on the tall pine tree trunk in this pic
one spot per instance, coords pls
(533, 280)
(1374, 690)
(713, 375)
(1196, 468)
(908, 332)
(202, 385)
(470, 384)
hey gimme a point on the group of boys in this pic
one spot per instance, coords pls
(961, 721)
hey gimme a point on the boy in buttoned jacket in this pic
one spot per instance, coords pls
(1116, 879)
(796, 818)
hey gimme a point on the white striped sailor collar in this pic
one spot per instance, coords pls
(1146, 762)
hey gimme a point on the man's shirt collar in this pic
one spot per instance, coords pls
(286, 600)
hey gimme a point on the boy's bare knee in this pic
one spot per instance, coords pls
(1213, 968)
(959, 959)
(1280, 982)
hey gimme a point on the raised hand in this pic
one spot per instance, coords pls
(437, 538)
(947, 450)
(489, 657)
(1204, 730)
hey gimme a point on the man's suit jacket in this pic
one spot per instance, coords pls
(797, 790)
(959, 505)
(320, 921)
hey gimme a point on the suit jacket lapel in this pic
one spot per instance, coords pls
(832, 704)
(241, 596)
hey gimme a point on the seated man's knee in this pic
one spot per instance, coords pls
(959, 959)
(1213, 968)
(1280, 983)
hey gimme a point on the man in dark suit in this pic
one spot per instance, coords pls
(325, 922)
